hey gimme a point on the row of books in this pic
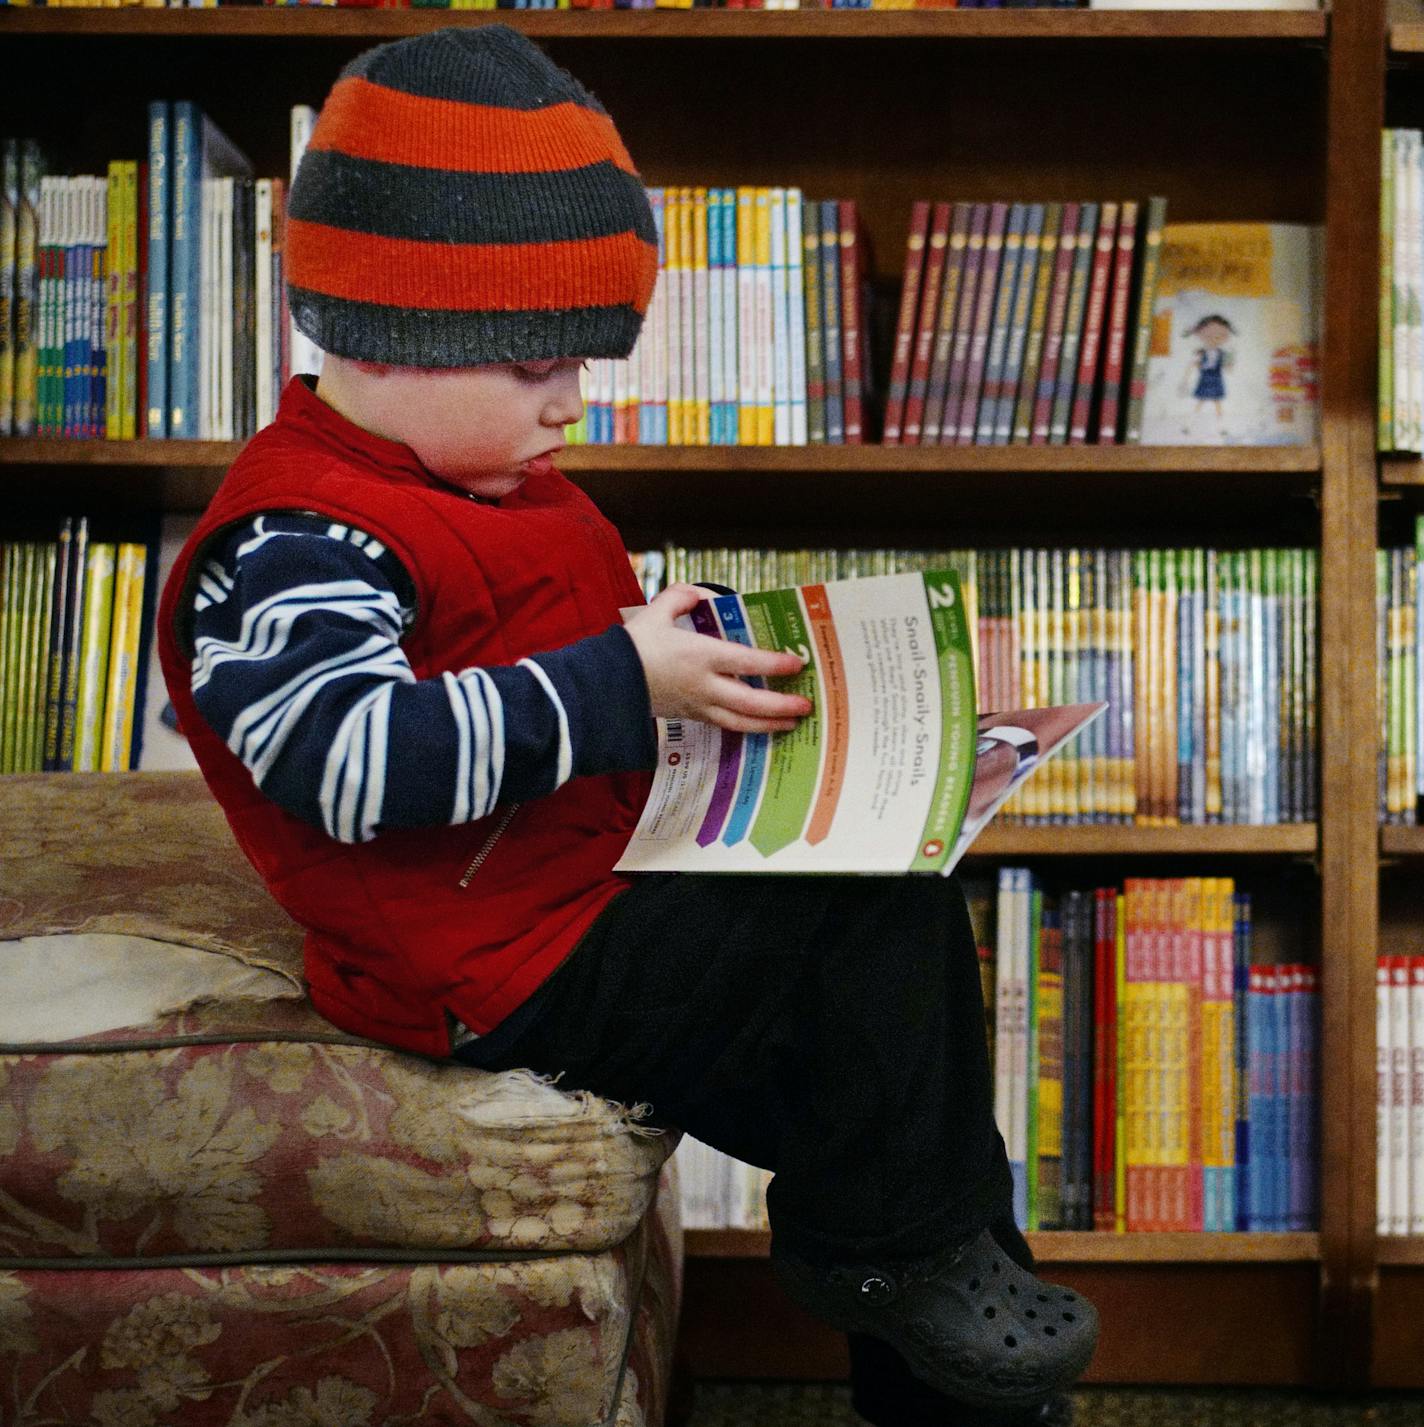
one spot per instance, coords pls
(1401, 291)
(1019, 321)
(148, 301)
(754, 335)
(1206, 658)
(1148, 1075)
(75, 622)
(1399, 1065)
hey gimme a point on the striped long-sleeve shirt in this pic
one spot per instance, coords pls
(298, 667)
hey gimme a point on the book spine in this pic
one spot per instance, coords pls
(1073, 323)
(72, 650)
(1037, 324)
(1053, 333)
(1399, 1042)
(1090, 350)
(26, 358)
(1010, 261)
(1386, 292)
(853, 361)
(1110, 409)
(1384, 1162)
(9, 208)
(832, 291)
(1018, 324)
(933, 257)
(938, 382)
(964, 324)
(781, 332)
(796, 314)
(699, 430)
(983, 322)
(905, 327)
(1415, 1096)
(815, 337)
(99, 576)
(156, 309)
(53, 652)
(765, 325)
(187, 280)
(716, 335)
(1142, 327)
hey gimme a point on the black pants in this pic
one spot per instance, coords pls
(830, 1030)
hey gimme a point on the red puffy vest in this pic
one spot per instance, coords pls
(399, 931)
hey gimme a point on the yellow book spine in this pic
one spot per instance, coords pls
(1133, 1082)
(128, 300)
(673, 230)
(765, 406)
(1120, 1106)
(701, 432)
(94, 655)
(688, 316)
(746, 317)
(122, 683)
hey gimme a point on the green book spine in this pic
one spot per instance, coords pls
(54, 646)
(815, 338)
(1073, 323)
(1142, 328)
(1037, 323)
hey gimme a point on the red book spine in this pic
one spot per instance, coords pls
(852, 343)
(1091, 346)
(1110, 411)
(1053, 332)
(983, 320)
(1192, 942)
(1104, 1057)
(963, 329)
(905, 326)
(933, 275)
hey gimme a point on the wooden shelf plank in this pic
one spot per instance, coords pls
(371, 25)
(1402, 841)
(1084, 1248)
(1402, 470)
(788, 460)
(1402, 1251)
(1009, 840)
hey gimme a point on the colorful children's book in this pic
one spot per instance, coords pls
(892, 771)
(1235, 334)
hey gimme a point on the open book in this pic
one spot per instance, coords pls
(892, 771)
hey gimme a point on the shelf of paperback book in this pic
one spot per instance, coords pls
(1064, 1247)
(790, 460)
(335, 22)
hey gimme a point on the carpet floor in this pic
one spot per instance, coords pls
(718, 1404)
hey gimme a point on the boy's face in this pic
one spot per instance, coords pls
(482, 429)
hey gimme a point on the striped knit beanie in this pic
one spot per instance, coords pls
(462, 201)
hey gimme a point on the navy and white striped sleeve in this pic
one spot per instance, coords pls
(298, 667)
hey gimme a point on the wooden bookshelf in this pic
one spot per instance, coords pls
(780, 460)
(322, 23)
(1232, 115)
(1070, 1248)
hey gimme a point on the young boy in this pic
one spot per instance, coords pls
(394, 641)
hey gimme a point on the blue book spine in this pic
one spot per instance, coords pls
(1258, 1071)
(1018, 328)
(1011, 261)
(731, 338)
(1241, 952)
(716, 432)
(1282, 1052)
(1295, 1217)
(160, 223)
(75, 301)
(1310, 1022)
(185, 290)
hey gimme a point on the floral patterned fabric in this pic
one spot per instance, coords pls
(236, 1213)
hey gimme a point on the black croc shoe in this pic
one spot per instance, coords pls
(971, 1323)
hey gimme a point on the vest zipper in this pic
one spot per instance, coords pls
(478, 860)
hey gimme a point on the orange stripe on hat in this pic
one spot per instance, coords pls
(371, 121)
(450, 277)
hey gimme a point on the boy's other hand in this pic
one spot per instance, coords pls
(695, 676)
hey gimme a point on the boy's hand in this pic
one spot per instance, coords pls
(695, 676)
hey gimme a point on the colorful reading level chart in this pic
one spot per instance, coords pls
(875, 779)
